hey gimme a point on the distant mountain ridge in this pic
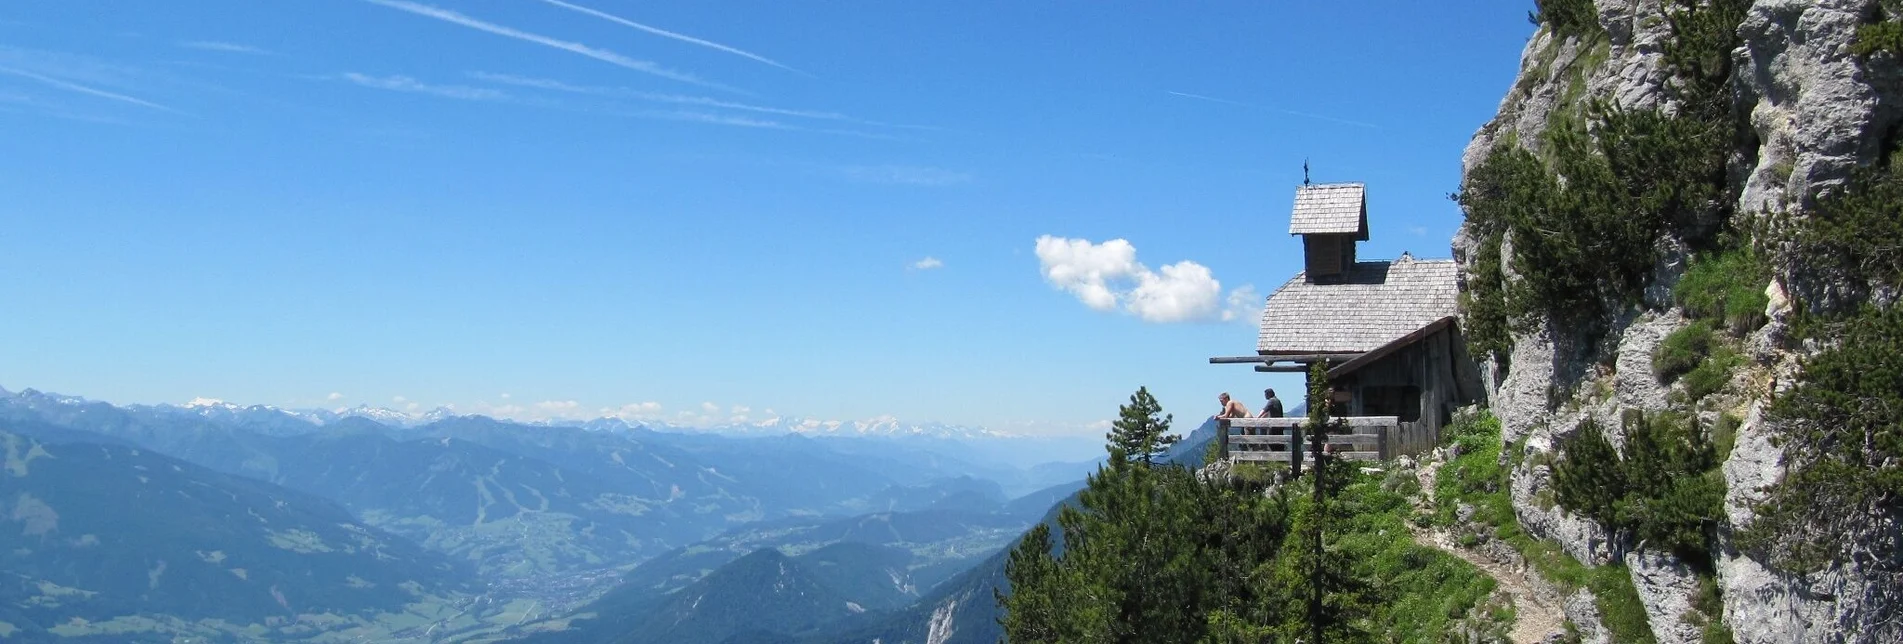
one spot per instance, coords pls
(269, 414)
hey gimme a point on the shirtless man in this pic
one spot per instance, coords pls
(1231, 408)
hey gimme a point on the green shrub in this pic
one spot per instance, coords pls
(1882, 32)
(1567, 17)
(1880, 36)
(1842, 438)
(1630, 177)
(1474, 477)
(1588, 479)
(1854, 234)
(1483, 304)
(1713, 374)
(1591, 239)
(1682, 351)
(1472, 431)
(1665, 490)
(1727, 287)
(1699, 54)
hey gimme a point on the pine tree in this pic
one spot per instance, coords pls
(1139, 434)
(1031, 609)
(1590, 479)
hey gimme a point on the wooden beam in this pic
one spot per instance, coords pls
(1357, 440)
(1281, 369)
(1382, 351)
(1283, 457)
(1311, 357)
(1297, 421)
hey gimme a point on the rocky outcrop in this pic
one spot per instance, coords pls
(1814, 112)
(1666, 586)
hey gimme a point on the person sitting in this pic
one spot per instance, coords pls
(1274, 408)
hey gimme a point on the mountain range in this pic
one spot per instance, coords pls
(493, 529)
(881, 426)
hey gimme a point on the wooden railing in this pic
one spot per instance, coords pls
(1356, 438)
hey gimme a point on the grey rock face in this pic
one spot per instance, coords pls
(1583, 609)
(1666, 586)
(1815, 112)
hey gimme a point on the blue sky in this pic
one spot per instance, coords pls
(830, 210)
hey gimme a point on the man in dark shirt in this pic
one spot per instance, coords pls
(1274, 408)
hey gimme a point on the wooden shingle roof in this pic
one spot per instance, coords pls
(1330, 208)
(1372, 304)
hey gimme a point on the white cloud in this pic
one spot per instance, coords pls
(407, 84)
(542, 411)
(399, 399)
(1107, 276)
(634, 411)
(505, 396)
(927, 264)
(741, 409)
(1086, 269)
(1245, 305)
(710, 407)
(1182, 292)
(334, 396)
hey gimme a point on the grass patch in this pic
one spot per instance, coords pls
(1708, 609)
(1427, 591)
(1712, 375)
(1724, 435)
(1726, 287)
(1619, 606)
(1475, 478)
(1682, 351)
(1697, 355)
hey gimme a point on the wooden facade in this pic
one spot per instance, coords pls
(1420, 380)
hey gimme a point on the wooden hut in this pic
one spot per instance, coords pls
(1386, 331)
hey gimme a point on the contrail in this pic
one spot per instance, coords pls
(75, 87)
(407, 84)
(603, 55)
(559, 86)
(669, 34)
(1332, 119)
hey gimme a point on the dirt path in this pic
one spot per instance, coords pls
(1534, 616)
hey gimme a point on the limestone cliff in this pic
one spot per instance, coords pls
(1808, 110)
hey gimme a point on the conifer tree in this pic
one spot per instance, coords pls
(1139, 434)
(1590, 478)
